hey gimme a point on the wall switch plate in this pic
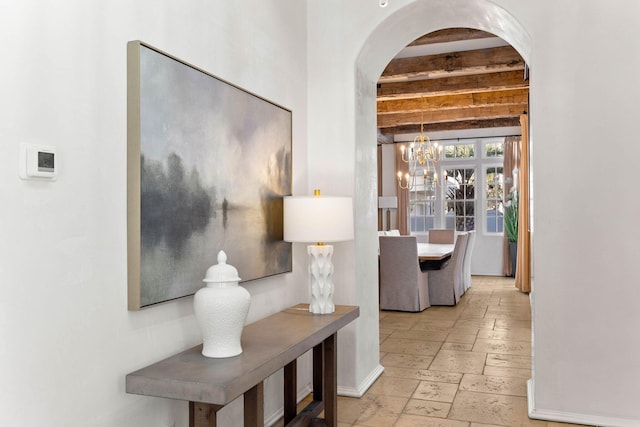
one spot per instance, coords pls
(38, 162)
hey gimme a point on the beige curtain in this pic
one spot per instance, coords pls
(523, 270)
(403, 195)
(511, 159)
(379, 186)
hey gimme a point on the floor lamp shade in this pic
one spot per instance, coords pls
(388, 202)
(319, 219)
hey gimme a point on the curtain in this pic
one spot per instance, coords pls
(379, 186)
(403, 195)
(511, 160)
(523, 269)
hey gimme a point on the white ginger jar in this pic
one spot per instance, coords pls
(221, 309)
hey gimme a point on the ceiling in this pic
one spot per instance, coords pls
(451, 80)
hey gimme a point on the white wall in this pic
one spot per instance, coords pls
(583, 104)
(67, 338)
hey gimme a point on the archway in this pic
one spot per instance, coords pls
(394, 33)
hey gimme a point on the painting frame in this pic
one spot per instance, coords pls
(208, 165)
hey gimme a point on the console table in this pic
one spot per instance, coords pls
(268, 345)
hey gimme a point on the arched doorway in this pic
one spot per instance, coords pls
(395, 32)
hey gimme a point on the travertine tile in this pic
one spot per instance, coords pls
(493, 384)
(394, 386)
(477, 312)
(476, 323)
(464, 330)
(458, 361)
(437, 325)
(491, 409)
(440, 392)
(509, 361)
(456, 346)
(425, 348)
(406, 360)
(515, 334)
(425, 335)
(418, 421)
(422, 374)
(502, 347)
(398, 322)
(379, 410)
(511, 323)
(507, 372)
(427, 408)
(461, 338)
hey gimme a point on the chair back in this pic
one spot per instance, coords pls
(402, 285)
(466, 267)
(441, 236)
(457, 258)
(445, 285)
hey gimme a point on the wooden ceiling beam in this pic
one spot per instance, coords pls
(466, 100)
(451, 115)
(451, 35)
(449, 126)
(452, 85)
(490, 60)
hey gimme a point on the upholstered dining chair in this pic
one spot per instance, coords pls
(445, 285)
(437, 235)
(466, 265)
(403, 286)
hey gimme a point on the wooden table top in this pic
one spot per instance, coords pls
(268, 345)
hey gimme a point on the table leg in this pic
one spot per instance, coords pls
(318, 365)
(254, 406)
(203, 414)
(330, 397)
(290, 391)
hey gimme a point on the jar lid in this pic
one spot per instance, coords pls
(221, 272)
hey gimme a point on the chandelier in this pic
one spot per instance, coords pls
(421, 154)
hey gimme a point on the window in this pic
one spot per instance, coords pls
(472, 196)
(422, 203)
(494, 149)
(494, 180)
(459, 151)
(460, 199)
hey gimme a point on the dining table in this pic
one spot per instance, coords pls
(434, 251)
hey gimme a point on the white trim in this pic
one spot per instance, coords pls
(571, 417)
(364, 385)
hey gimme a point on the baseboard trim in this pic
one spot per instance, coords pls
(570, 417)
(364, 385)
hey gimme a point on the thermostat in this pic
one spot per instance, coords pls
(37, 162)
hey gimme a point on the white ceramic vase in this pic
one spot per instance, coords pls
(221, 309)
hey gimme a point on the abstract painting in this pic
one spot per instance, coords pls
(208, 165)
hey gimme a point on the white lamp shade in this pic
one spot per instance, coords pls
(388, 202)
(318, 219)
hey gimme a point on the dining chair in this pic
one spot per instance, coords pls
(437, 235)
(466, 266)
(403, 286)
(445, 285)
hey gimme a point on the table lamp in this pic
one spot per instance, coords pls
(388, 202)
(319, 219)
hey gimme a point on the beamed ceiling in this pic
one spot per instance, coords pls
(485, 87)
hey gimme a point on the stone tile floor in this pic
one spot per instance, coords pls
(462, 366)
